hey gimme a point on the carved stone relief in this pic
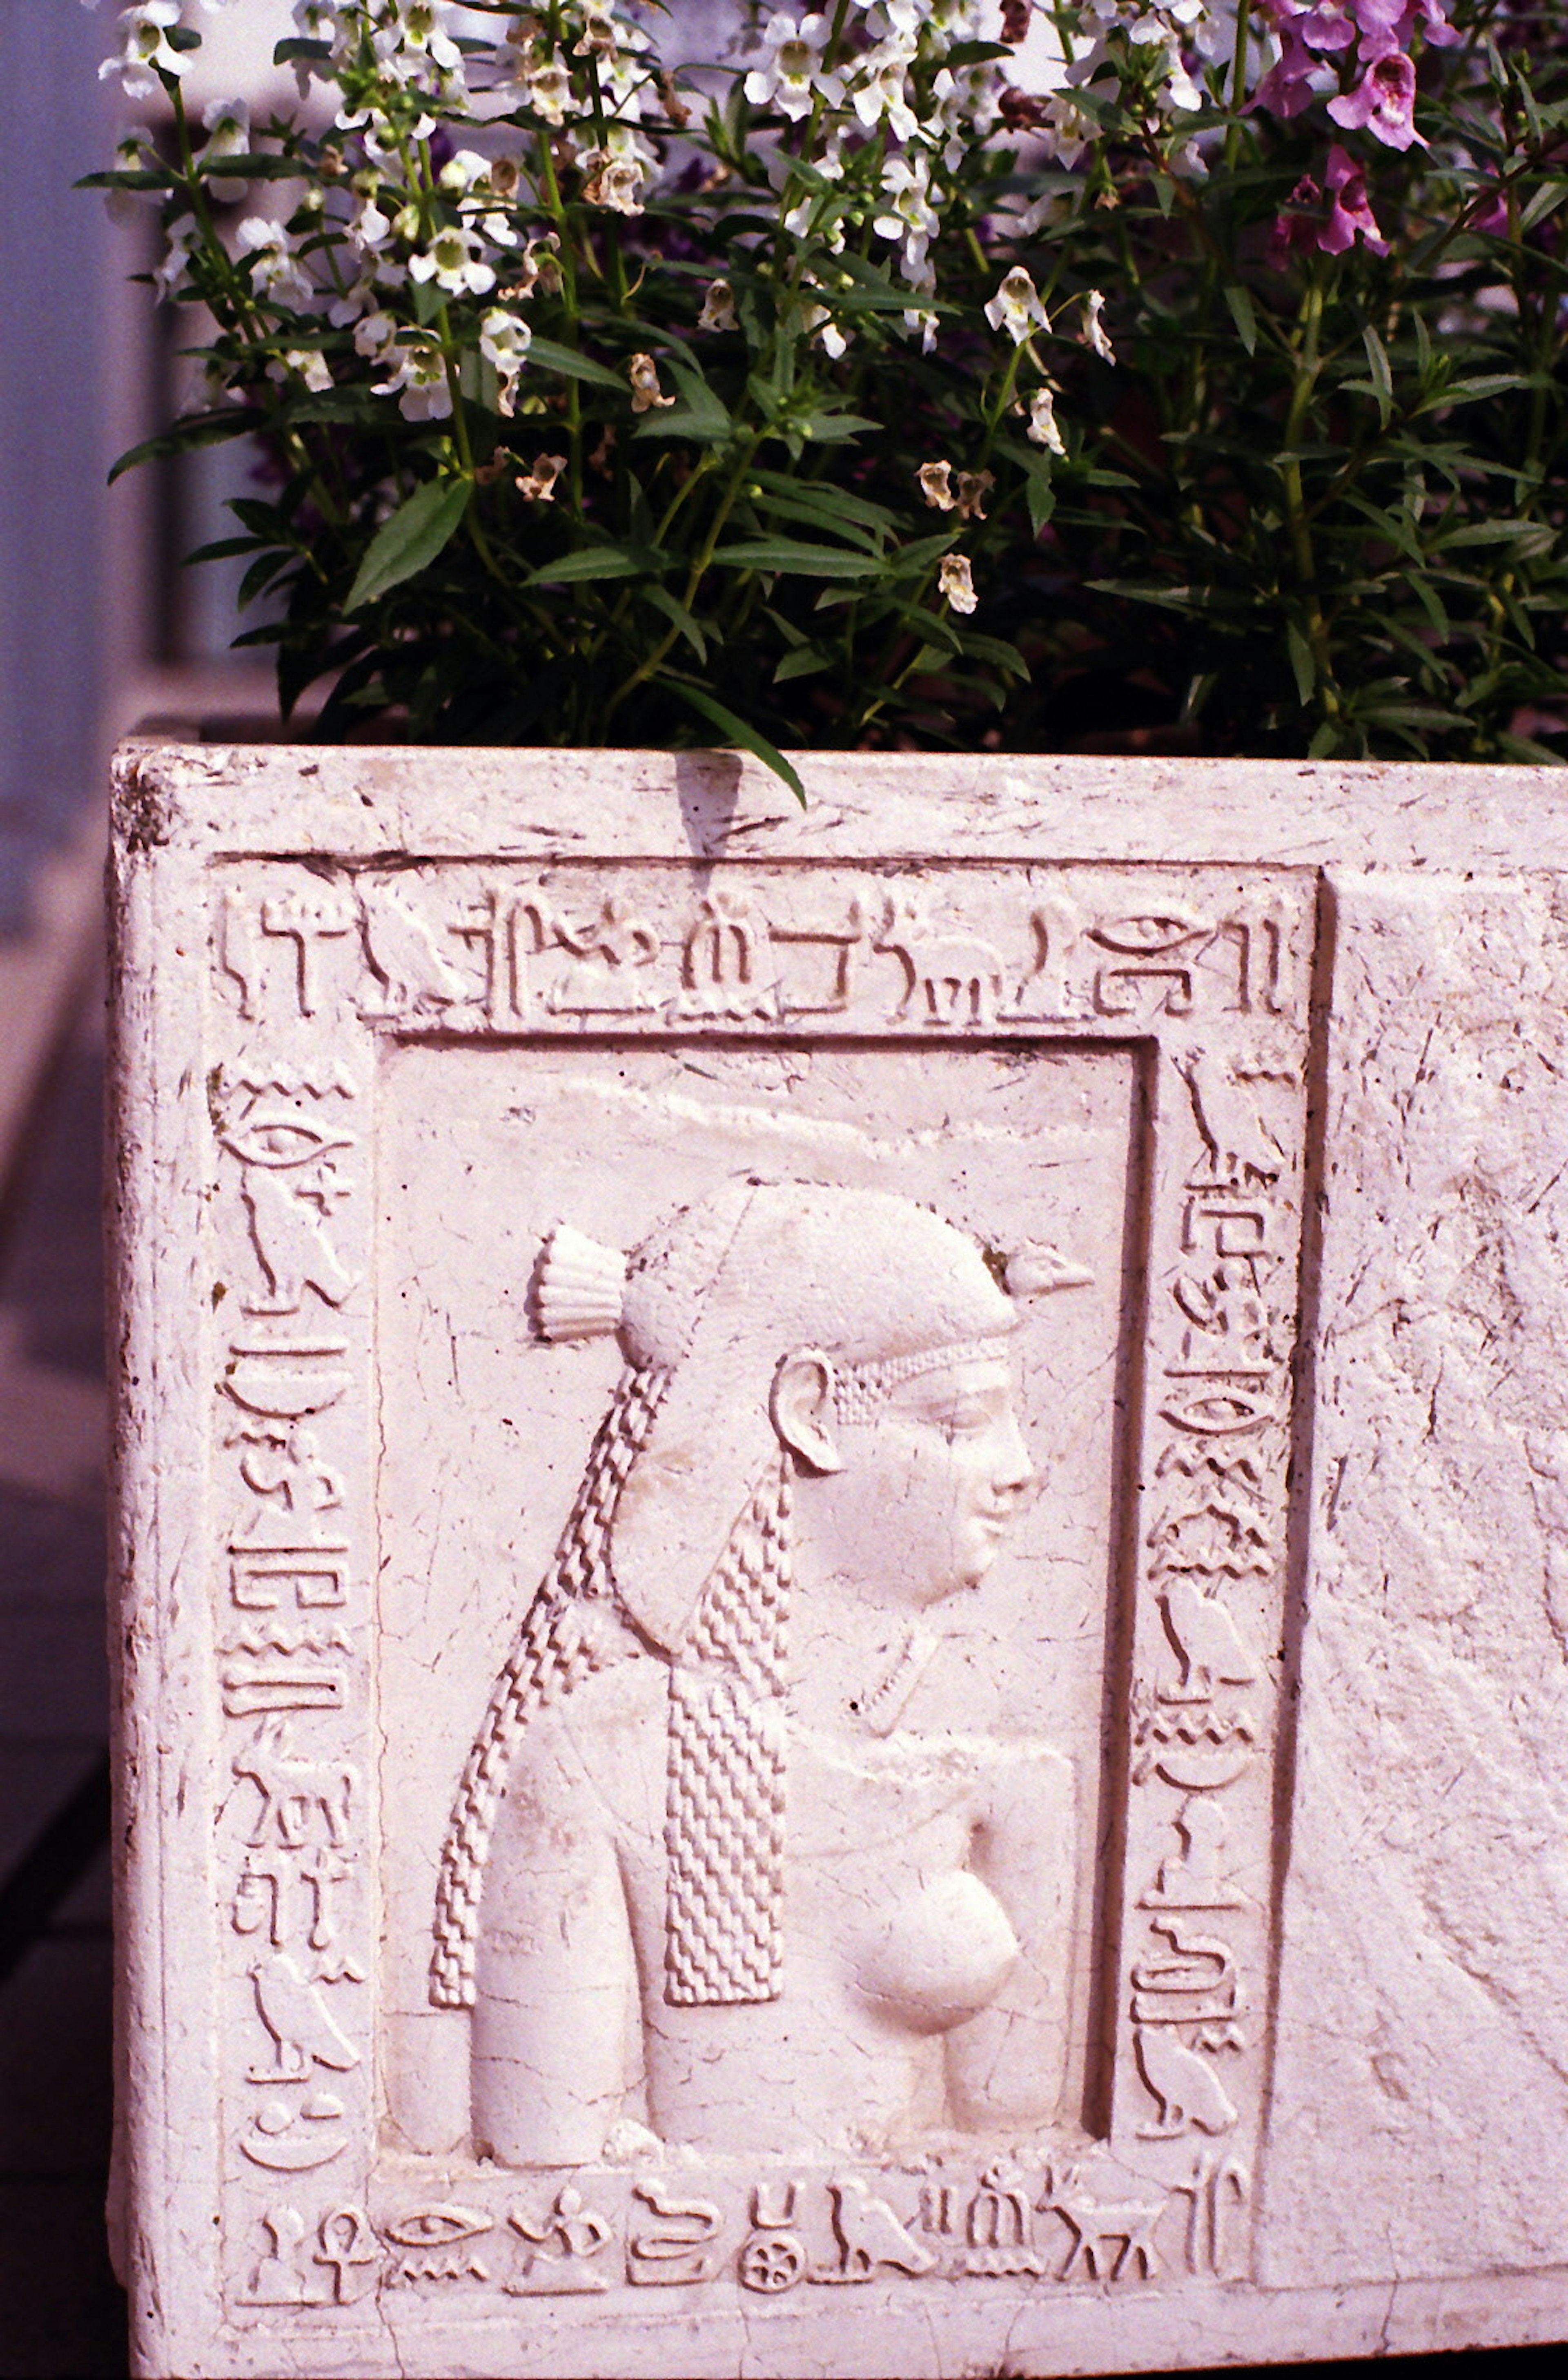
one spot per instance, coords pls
(871, 1340)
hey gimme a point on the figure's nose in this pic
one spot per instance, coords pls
(1015, 1474)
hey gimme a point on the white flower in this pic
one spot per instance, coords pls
(613, 182)
(646, 391)
(462, 170)
(791, 76)
(375, 336)
(881, 87)
(820, 324)
(957, 582)
(974, 490)
(548, 90)
(718, 309)
(910, 216)
(275, 271)
(538, 485)
(419, 381)
(505, 338)
(228, 135)
(307, 364)
(968, 498)
(1017, 306)
(144, 53)
(1094, 335)
(1043, 429)
(452, 262)
(539, 268)
(132, 157)
(185, 239)
(369, 229)
(424, 28)
(599, 34)
(936, 485)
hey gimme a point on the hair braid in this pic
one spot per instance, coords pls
(724, 1809)
(564, 1638)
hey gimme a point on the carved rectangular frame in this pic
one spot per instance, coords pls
(279, 923)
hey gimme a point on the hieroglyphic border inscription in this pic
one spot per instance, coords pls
(1207, 971)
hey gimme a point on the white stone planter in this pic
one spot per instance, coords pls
(1017, 1818)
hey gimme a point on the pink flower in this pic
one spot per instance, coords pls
(1350, 210)
(1296, 227)
(1330, 26)
(1435, 27)
(1381, 102)
(1381, 25)
(1350, 217)
(1285, 90)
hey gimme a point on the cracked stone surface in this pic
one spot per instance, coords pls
(842, 1558)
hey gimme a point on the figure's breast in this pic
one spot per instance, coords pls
(942, 1954)
(882, 1835)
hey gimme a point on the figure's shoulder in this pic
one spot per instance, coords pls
(592, 1727)
(1024, 1776)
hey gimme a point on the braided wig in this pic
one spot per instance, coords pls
(702, 1346)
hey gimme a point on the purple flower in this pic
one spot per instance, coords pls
(1435, 27)
(1350, 210)
(1296, 228)
(1285, 90)
(1381, 25)
(1382, 103)
(1330, 26)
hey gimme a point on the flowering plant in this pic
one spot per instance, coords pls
(930, 372)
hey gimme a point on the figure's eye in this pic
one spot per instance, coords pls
(965, 1420)
(279, 1140)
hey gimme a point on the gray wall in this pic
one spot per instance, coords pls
(54, 436)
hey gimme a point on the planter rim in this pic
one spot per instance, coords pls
(368, 802)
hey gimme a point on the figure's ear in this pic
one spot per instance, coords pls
(802, 1405)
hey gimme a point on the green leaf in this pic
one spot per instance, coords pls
(127, 178)
(410, 541)
(429, 299)
(785, 507)
(199, 430)
(261, 573)
(557, 358)
(1302, 662)
(809, 561)
(224, 549)
(1381, 371)
(923, 552)
(697, 416)
(1242, 315)
(804, 661)
(1470, 392)
(977, 53)
(995, 650)
(250, 168)
(676, 612)
(597, 562)
(297, 47)
(825, 427)
(834, 503)
(751, 739)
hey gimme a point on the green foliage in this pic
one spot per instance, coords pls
(654, 469)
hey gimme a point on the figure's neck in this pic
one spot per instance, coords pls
(852, 1666)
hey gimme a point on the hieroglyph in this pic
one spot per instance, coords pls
(1200, 982)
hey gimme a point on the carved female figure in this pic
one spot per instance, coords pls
(699, 1882)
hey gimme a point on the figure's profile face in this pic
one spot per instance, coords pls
(930, 1482)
